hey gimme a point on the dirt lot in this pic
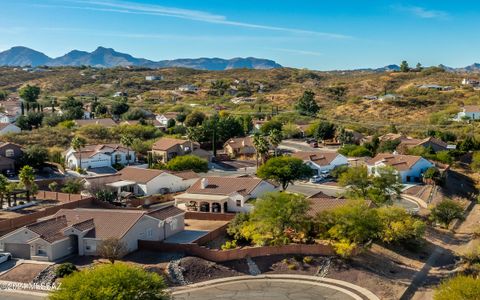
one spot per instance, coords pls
(203, 225)
(24, 272)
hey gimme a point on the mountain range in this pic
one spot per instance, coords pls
(108, 58)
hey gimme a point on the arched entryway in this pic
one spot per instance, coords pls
(205, 206)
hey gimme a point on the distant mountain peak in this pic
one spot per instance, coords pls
(107, 57)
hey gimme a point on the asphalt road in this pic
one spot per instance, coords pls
(8, 295)
(265, 290)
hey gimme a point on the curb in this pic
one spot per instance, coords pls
(343, 286)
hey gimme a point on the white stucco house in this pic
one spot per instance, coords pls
(189, 88)
(144, 182)
(96, 156)
(162, 119)
(223, 194)
(322, 161)
(409, 167)
(80, 231)
(470, 112)
(9, 128)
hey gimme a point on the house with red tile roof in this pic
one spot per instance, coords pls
(144, 182)
(410, 168)
(223, 194)
(101, 155)
(80, 231)
(322, 161)
(165, 149)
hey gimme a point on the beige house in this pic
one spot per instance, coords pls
(140, 181)
(80, 231)
(240, 148)
(223, 194)
(167, 148)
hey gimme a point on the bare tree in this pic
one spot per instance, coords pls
(112, 249)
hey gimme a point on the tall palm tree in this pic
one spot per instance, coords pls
(27, 179)
(193, 135)
(127, 141)
(275, 138)
(77, 144)
(261, 146)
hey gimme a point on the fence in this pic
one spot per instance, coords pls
(208, 216)
(62, 197)
(8, 225)
(220, 231)
(235, 254)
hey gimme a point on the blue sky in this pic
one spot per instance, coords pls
(322, 35)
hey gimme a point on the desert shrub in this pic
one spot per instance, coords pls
(65, 269)
(229, 245)
(308, 260)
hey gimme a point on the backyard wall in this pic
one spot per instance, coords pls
(235, 254)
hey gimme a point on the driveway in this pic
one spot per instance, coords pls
(10, 295)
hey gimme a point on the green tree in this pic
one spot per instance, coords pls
(475, 164)
(112, 281)
(284, 170)
(261, 147)
(325, 131)
(35, 156)
(127, 141)
(275, 138)
(72, 186)
(118, 108)
(27, 179)
(459, 287)
(52, 186)
(3, 95)
(101, 109)
(357, 181)
(307, 105)
(385, 185)
(270, 125)
(277, 218)
(195, 118)
(345, 136)
(77, 144)
(3, 188)
(234, 228)
(398, 226)
(29, 93)
(218, 88)
(404, 67)
(446, 211)
(188, 162)
(181, 117)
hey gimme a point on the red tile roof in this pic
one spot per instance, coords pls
(166, 212)
(320, 158)
(225, 185)
(164, 144)
(399, 162)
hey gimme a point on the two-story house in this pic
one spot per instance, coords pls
(165, 149)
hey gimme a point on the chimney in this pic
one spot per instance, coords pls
(204, 183)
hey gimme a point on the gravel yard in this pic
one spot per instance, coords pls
(25, 272)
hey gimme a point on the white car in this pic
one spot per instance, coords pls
(5, 256)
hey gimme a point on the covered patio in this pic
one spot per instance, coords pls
(203, 203)
(122, 186)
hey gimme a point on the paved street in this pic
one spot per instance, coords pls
(8, 295)
(267, 290)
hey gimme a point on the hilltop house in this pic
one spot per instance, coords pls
(470, 112)
(162, 119)
(165, 149)
(223, 194)
(80, 231)
(144, 182)
(96, 156)
(11, 110)
(410, 168)
(153, 78)
(430, 142)
(240, 148)
(322, 161)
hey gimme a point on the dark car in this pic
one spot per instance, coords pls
(9, 173)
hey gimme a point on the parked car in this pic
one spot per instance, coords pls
(9, 173)
(316, 179)
(5, 256)
(314, 144)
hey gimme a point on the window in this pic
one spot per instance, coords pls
(9, 153)
(239, 203)
(149, 232)
(118, 158)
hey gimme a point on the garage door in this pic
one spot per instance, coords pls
(18, 250)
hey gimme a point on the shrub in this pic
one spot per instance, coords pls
(188, 162)
(292, 266)
(459, 287)
(65, 269)
(229, 245)
(447, 211)
(308, 260)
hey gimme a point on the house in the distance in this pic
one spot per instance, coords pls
(188, 88)
(144, 182)
(153, 78)
(166, 149)
(468, 112)
(81, 231)
(430, 143)
(96, 156)
(322, 161)
(223, 194)
(410, 168)
(240, 148)
(9, 128)
(162, 119)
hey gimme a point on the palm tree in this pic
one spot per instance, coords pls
(193, 135)
(77, 144)
(275, 138)
(127, 141)
(27, 179)
(261, 146)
